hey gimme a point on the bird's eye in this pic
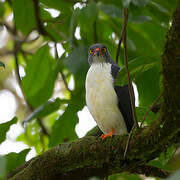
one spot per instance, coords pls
(103, 49)
(91, 51)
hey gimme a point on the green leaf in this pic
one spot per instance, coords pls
(141, 41)
(24, 15)
(126, 3)
(44, 109)
(2, 64)
(140, 2)
(166, 5)
(38, 83)
(89, 13)
(145, 72)
(2, 167)
(32, 137)
(111, 10)
(57, 31)
(45, 15)
(63, 6)
(159, 164)
(64, 127)
(2, 9)
(139, 19)
(86, 18)
(77, 63)
(136, 66)
(113, 2)
(167, 155)
(4, 128)
(124, 176)
(148, 85)
(14, 160)
(153, 34)
(140, 111)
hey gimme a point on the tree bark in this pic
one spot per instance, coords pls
(90, 156)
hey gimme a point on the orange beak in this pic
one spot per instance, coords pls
(97, 52)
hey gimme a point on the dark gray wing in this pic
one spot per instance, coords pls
(124, 101)
(114, 69)
(124, 104)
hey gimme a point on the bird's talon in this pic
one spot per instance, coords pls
(104, 136)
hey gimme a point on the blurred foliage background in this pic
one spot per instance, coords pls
(44, 44)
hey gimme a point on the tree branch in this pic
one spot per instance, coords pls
(87, 157)
(5, 52)
(151, 108)
(85, 173)
(125, 21)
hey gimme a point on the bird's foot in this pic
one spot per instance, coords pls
(104, 136)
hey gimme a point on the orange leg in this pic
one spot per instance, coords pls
(104, 136)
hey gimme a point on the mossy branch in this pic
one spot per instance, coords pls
(87, 157)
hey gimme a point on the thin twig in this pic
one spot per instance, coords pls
(40, 26)
(24, 39)
(16, 47)
(44, 130)
(64, 80)
(125, 21)
(11, 32)
(15, 37)
(56, 51)
(127, 143)
(150, 108)
(62, 74)
(6, 53)
(9, 28)
(15, 52)
(39, 121)
(119, 46)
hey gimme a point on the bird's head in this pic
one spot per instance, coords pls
(98, 53)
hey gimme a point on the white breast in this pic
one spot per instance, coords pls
(102, 100)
